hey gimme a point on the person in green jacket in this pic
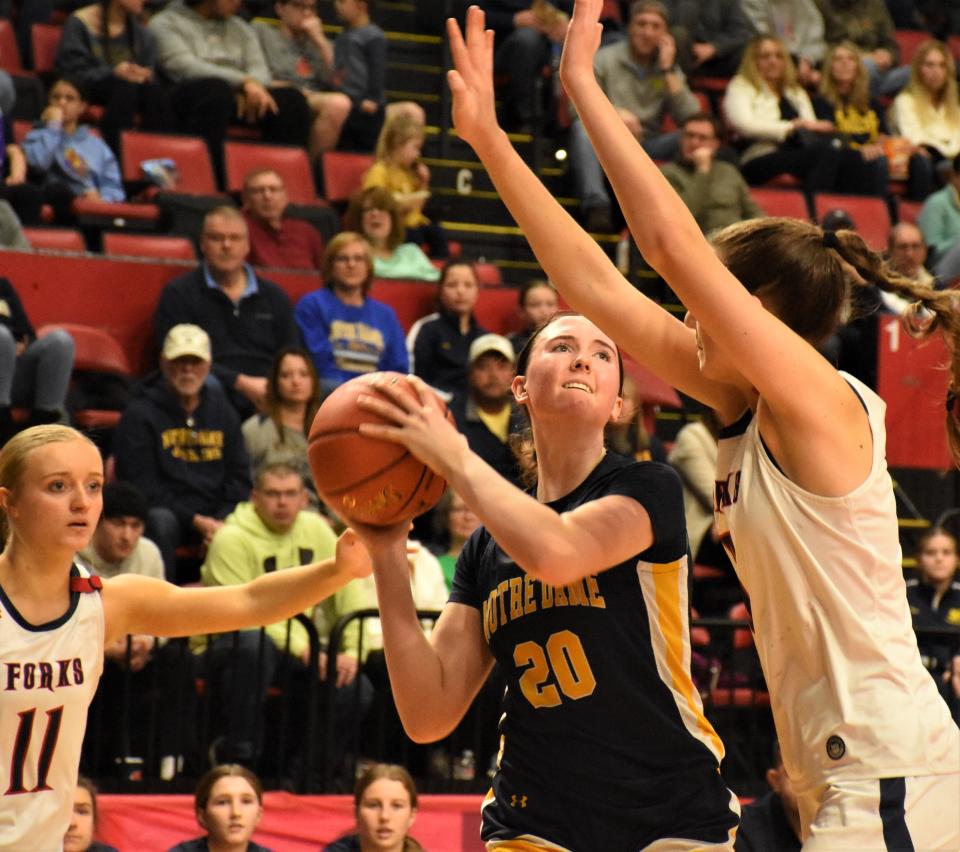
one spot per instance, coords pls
(269, 533)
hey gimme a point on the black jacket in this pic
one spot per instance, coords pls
(192, 465)
(439, 351)
(12, 314)
(764, 827)
(483, 442)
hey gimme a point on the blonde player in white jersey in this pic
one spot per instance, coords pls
(803, 491)
(55, 619)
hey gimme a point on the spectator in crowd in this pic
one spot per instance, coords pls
(399, 170)
(713, 189)
(527, 36)
(180, 441)
(385, 804)
(868, 24)
(934, 598)
(228, 804)
(107, 48)
(247, 317)
(136, 668)
(299, 54)
(346, 332)
(271, 532)
(485, 413)
(8, 93)
(439, 343)
(33, 372)
(773, 821)
(83, 821)
(11, 231)
(927, 113)
(907, 253)
(276, 239)
(799, 25)
(280, 433)
(641, 77)
(68, 160)
(844, 101)
(939, 220)
(453, 521)
(118, 545)
(24, 197)
(213, 58)
(775, 118)
(710, 37)
(536, 302)
(374, 213)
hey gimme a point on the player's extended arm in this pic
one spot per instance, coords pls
(580, 269)
(811, 409)
(554, 548)
(135, 604)
(434, 680)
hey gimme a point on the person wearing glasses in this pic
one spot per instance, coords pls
(346, 332)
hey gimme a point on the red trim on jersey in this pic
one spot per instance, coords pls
(86, 584)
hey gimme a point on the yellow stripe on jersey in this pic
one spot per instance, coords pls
(664, 588)
(527, 843)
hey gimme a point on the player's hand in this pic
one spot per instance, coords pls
(471, 80)
(352, 556)
(581, 44)
(419, 424)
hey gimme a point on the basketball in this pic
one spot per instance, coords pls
(366, 479)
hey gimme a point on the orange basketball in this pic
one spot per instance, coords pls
(366, 479)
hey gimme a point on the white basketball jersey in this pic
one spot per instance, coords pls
(48, 675)
(849, 694)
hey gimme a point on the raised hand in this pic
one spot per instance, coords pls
(581, 44)
(471, 80)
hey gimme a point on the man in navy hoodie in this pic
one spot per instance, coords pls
(180, 442)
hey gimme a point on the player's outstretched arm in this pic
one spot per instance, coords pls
(554, 548)
(575, 263)
(803, 389)
(135, 604)
(433, 680)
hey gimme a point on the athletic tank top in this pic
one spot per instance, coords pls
(48, 675)
(850, 696)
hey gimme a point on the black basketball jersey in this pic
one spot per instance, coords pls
(604, 743)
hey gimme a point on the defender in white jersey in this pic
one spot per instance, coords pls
(55, 621)
(819, 554)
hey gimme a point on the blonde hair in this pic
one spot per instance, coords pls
(804, 279)
(397, 130)
(921, 94)
(859, 97)
(748, 65)
(14, 457)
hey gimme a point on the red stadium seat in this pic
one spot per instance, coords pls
(45, 39)
(869, 213)
(55, 239)
(189, 153)
(908, 41)
(98, 351)
(908, 211)
(9, 52)
(953, 42)
(781, 202)
(488, 275)
(292, 164)
(343, 174)
(141, 245)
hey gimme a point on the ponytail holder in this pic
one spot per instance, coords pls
(918, 319)
(830, 240)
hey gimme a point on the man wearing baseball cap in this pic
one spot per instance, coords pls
(180, 442)
(485, 413)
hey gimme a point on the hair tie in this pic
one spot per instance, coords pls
(918, 319)
(830, 240)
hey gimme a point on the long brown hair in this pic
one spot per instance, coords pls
(201, 796)
(806, 282)
(748, 65)
(274, 403)
(335, 246)
(392, 772)
(382, 199)
(921, 94)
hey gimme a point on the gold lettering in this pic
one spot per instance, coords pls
(560, 596)
(546, 596)
(516, 598)
(486, 619)
(501, 591)
(593, 592)
(529, 602)
(578, 596)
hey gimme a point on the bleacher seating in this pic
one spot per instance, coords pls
(45, 39)
(56, 239)
(148, 245)
(9, 51)
(781, 202)
(869, 213)
(189, 154)
(343, 174)
(292, 164)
